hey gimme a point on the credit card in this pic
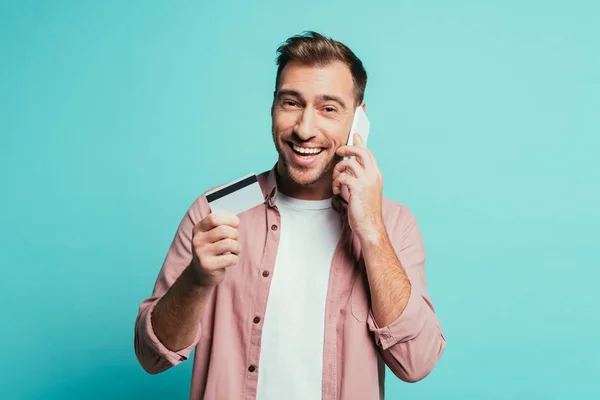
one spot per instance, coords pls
(237, 196)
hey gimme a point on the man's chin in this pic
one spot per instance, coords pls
(302, 177)
(306, 176)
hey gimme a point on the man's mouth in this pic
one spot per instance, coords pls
(305, 151)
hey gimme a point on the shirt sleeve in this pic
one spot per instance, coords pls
(412, 344)
(152, 355)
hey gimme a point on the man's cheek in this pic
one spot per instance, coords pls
(286, 120)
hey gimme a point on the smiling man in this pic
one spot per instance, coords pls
(306, 296)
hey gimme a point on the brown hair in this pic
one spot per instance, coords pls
(312, 48)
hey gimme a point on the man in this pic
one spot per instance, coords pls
(306, 296)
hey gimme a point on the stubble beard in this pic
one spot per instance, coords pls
(304, 176)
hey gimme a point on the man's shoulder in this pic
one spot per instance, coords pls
(200, 208)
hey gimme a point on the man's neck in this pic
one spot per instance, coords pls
(320, 190)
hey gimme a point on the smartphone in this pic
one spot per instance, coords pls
(362, 126)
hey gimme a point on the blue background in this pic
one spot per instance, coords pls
(115, 115)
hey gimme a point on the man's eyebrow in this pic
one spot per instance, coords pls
(288, 92)
(329, 97)
(322, 97)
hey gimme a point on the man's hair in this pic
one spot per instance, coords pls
(313, 49)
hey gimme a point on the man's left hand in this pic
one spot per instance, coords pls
(365, 187)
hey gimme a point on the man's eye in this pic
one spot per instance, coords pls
(329, 109)
(289, 103)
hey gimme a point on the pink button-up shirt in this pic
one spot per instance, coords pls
(356, 350)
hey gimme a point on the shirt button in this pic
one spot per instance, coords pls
(256, 320)
(274, 227)
(251, 368)
(265, 273)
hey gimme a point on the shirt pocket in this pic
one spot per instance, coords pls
(359, 297)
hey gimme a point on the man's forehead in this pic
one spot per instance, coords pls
(317, 79)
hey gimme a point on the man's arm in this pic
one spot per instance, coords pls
(389, 285)
(177, 315)
(151, 353)
(402, 317)
(168, 325)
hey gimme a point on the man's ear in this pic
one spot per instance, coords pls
(364, 106)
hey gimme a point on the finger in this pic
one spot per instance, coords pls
(222, 232)
(358, 140)
(223, 261)
(351, 165)
(362, 154)
(343, 179)
(216, 219)
(225, 246)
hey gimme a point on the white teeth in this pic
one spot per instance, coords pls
(304, 150)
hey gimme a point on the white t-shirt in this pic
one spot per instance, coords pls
(291, 358)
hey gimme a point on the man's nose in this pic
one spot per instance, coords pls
(305, 127)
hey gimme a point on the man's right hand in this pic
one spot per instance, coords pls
(215, 247)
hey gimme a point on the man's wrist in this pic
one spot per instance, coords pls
(195, 280)
(374, 236)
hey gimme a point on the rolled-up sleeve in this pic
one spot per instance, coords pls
(412, 344)
(152, 355)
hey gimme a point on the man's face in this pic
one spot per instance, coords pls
(311, 115)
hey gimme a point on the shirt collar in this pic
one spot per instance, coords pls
(268, 185)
